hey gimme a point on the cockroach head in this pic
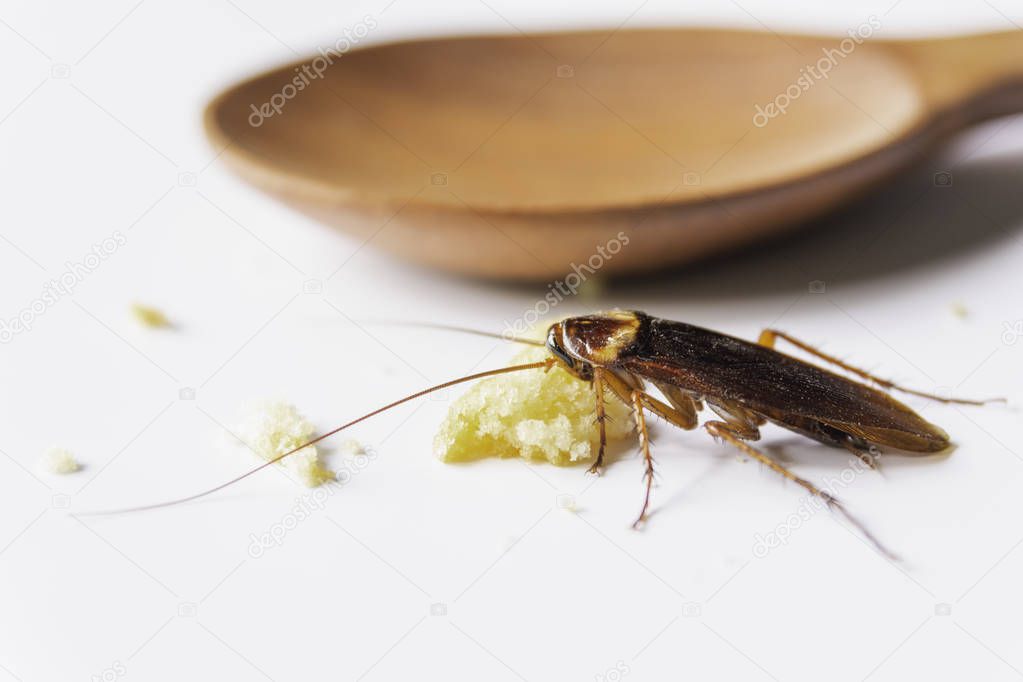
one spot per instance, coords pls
(580, 343)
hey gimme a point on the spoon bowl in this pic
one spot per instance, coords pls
(530, 156)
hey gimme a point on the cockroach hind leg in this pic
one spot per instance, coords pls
(835, 505)
(769, 337)
(724, 431)
(868, 461)
(869, 455)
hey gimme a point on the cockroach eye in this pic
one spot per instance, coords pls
(559, 352)
(555, 348)
(562, 355)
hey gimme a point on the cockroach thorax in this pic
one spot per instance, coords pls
(597, 339)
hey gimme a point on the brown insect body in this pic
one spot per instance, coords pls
(744, 380)
(746, 384)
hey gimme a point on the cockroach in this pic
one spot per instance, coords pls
(745, 384)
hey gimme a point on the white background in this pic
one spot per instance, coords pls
(99, 132)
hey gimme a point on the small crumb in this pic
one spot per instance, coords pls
(59, 461)
(959, 310)
(149, 316)
(567, 503)
(351, 448)
(272, 428)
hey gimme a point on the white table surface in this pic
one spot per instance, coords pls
(100, 134)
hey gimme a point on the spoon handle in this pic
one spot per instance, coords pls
(979, 75)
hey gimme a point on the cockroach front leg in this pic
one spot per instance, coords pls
(644, 446)
(769, 337)
(684, 418)
(598, 391)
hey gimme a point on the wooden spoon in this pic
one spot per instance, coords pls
(528, 156)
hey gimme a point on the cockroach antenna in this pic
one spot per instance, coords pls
(454, 328)
(542, 364)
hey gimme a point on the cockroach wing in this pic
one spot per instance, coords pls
(784, 389)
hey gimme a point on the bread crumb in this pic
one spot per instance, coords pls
(959, 310)
(149, 316)
(352, 448)
(567, 503)
(59, 461)
(272, 428)
(530, 414)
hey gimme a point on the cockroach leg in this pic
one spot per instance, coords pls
(742, 423)
(725, 432)
(866, 453)
(682, 412)
(768, 337)
(683, 417)
(644, 446)
(598, 391)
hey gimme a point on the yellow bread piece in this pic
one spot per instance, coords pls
(149, 316)
(59, 461)
(272, 428)
(530, 414)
